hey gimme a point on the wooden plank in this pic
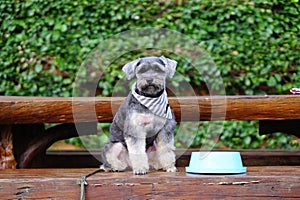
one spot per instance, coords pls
(22, 110)
(258, 183)
(89, 159)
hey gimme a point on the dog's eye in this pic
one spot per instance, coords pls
(157, 69)
(142, 70)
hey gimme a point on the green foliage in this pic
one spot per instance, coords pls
(244, 135)
(255, 44)
(231, 134)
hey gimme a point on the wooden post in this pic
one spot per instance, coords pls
(7, 158)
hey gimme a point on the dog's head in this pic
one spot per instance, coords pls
(151, 73)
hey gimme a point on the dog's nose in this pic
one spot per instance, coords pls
(149, 80)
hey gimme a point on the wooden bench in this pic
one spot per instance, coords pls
(25, 137)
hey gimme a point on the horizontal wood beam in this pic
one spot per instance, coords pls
(86, 159)
(24, 110)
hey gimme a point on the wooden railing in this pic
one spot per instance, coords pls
(32, 110)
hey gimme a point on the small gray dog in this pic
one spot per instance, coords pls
(141, 135)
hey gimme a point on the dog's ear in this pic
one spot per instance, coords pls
(170, 64)
(129, 69)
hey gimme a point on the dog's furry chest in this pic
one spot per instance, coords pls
(140, 117)
(147, 123)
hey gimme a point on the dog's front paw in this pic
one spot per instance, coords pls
(139, 163)
(171, 169)
(140, 171)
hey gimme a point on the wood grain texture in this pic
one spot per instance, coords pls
(7, 158)
(259, 183)
(24, 110)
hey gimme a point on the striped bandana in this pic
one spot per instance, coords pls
(158, 106)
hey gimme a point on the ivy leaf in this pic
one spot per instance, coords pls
(272, 82)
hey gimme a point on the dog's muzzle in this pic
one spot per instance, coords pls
(150, 88)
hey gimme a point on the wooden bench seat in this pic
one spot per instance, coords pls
(264, 182)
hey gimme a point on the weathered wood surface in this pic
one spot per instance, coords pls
(24, 110)
(89, 159)
(7, 158)
(258, 183)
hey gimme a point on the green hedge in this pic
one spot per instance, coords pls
(255, 44)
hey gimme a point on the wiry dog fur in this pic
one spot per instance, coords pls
(140, 140)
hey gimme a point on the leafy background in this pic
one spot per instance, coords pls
(255, 44)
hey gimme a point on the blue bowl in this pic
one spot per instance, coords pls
(216, 163)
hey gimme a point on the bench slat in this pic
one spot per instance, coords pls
(29, 110)
(259, 183)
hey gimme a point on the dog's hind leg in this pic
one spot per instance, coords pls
(115, 157)
(153, 157)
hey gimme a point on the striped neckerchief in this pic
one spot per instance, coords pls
(158, 106)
